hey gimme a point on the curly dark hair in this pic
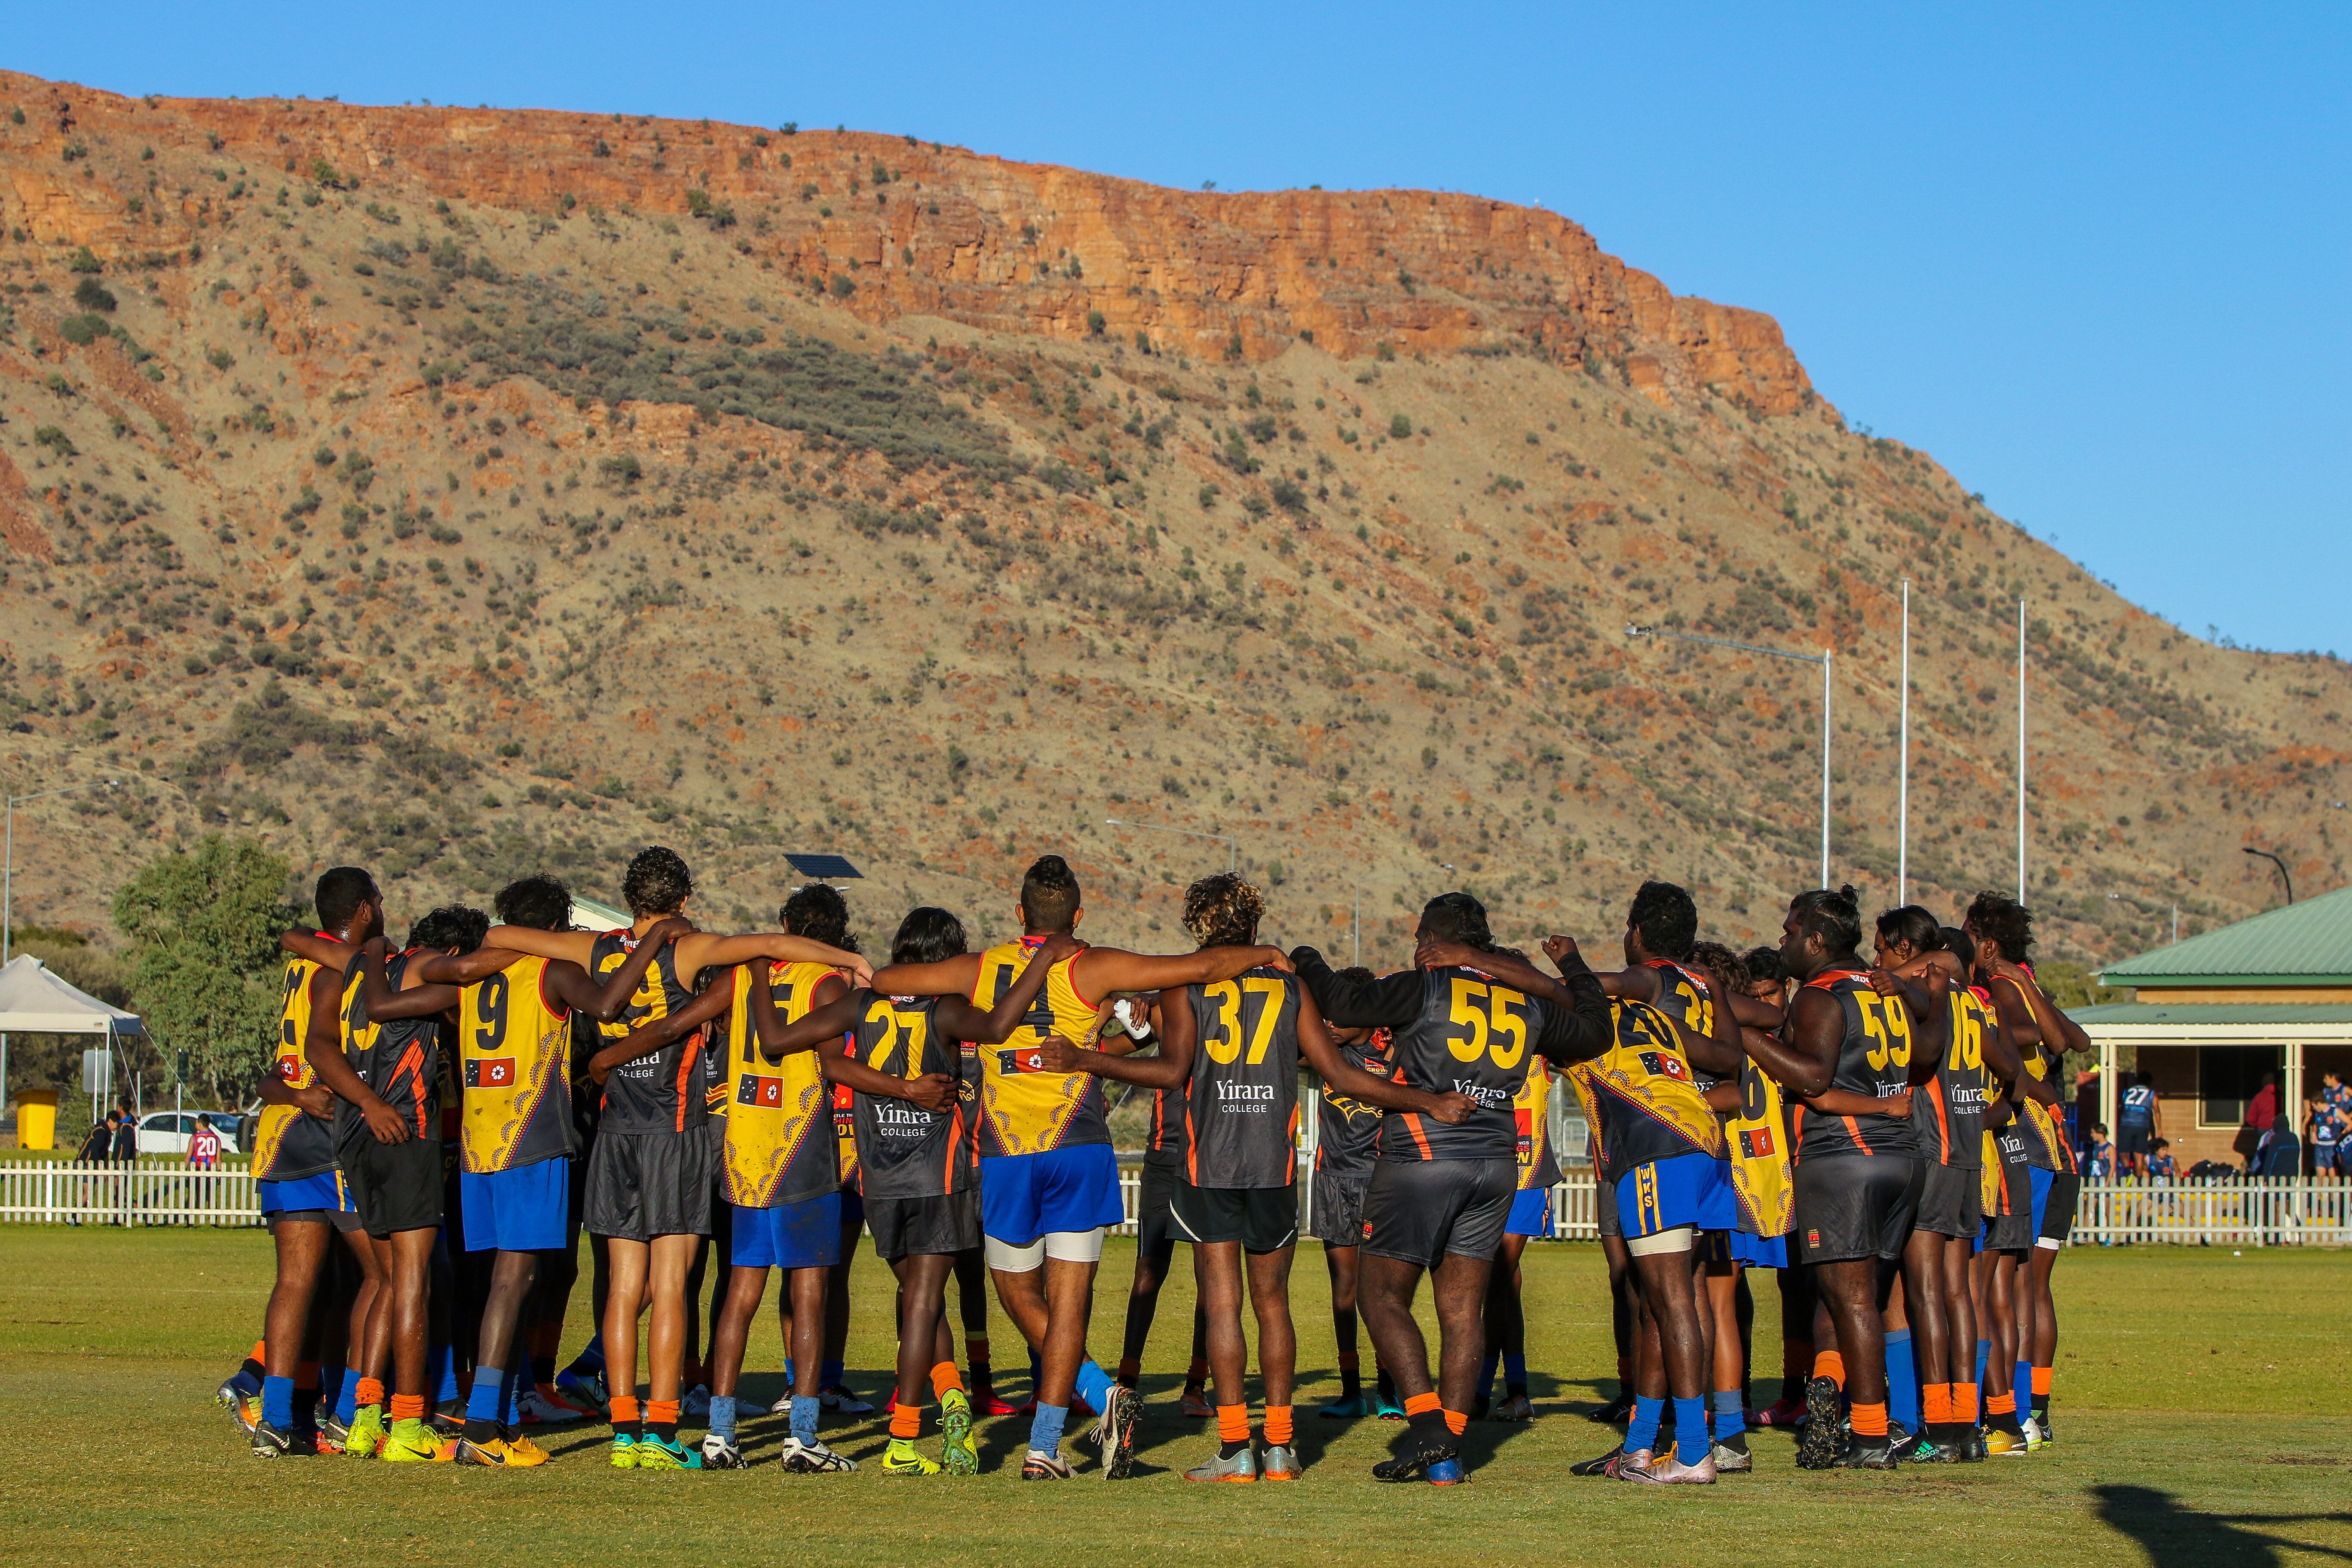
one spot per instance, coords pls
(2009, 924)
(1724, 961)
(658, 882)
(1666, 917)
(1458, 917)
(820, 913)
(452, 926)
(541, 902)
(1223, 911)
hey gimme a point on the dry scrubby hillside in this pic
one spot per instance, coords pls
(468, 491)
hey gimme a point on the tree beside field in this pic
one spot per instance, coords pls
(203, 923)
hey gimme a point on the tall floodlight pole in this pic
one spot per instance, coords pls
(1822, 658)
(2020, 750)
(1903, 768)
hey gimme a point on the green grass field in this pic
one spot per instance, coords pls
(2201, 1402)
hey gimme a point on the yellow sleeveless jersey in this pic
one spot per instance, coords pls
(1531, 1109)
(290, 1143)
(2045, 1131)
(1638, 1096)
(514, 1044)
(1022, 1109)
(780, 1146)
(1756, 1136)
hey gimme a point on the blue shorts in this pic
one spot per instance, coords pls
(1025, 1196)
(1759, 1251)
(1688, 1189)
(1530, 1213)
(326, 1192)
(790, 1235)
(525, 1209)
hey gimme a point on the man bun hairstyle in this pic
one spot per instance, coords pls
(820, 913)
(1666, 917)
(658, 882)
(2009, 924)
(541, 902)
(339, 895)
(1224, 910)
(1834, 917)
(452, 926)
(1910, 927)
(1457, 917)
(928, 935)
(1049, 892)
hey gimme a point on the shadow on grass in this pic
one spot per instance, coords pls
(2174, 1536)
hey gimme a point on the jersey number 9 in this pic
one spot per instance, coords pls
(492, 1007)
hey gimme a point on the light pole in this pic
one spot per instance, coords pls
(2282, 870)
(2020, 750)
(1821, 658)
(1233, 847)
(1903, 769)
(8, 896)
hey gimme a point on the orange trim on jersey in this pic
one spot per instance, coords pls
(1831, 977)
(1073, 961)
(1412, 1125)
(686, 1064)
(412, 1062)
(1853, 1131)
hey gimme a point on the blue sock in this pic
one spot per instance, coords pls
(1094, 1385)
(482, 1403)
(791, 1379)
(244, 1383)
(347, 1391)
(1691, 1443)
(1036, 1373)
(592, 1354)
(1642, 1432)
(722, 1414)
(805, 1417)
(1902, 1381)
(1045, 1428)
(277, 1402)
(1730, 1418)
(2024, 1388)
(445, 1385)
(1984, 1354)
(510, 1390)
(1486, 1374)
(835, 1372)
(1515, 1372)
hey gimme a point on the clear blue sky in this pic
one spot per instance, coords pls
(2094, 262)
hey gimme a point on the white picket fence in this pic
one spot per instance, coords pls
(2269, 1212)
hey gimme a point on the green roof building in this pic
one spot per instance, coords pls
(2211, 1016)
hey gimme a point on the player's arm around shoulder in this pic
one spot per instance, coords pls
(1102, 972)
(1168, 1069)
(957, 976)
(703, 951)
(574, 946)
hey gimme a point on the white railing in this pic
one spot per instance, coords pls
(2267, 1211)
(127, 1192)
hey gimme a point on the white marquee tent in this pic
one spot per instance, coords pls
(34, 1001)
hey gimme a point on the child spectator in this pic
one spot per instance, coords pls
(2099, 1158)
(203, 1147)
(2161, 1169)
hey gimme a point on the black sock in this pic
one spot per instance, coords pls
(1429, 1430)
(1351, 1384)
(1387, 1386)
(2041, 1408)
(306, 1410)
(480, 1432)
(542, 1370)
(1514, 1390)
(253, 1369)
(665, 1430)
(1227, 1450)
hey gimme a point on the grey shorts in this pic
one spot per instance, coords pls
(1339, 1203)
(905, 1227)
(1951, 1203)
(1419, 1210)
(644, 1185)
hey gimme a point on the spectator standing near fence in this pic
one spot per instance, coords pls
(203, 1147)
(2138, 1123)
(126, 1135)
(2261, 1111)
(99, 1146)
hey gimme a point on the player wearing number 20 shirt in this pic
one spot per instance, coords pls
(1437, 1187)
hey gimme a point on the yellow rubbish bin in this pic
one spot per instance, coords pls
(36, 1119)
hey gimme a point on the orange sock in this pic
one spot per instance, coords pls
(261, 1351)
(2040, 1380)
(1935, 1404)
(407, 1407)
(625, 1410)
(661, 1412)
(944, 1376)
(1421, 1404)
(1277, 1425)
(1831, 1365)
(1870, 1420)
(906, 1421)
(369, 1392)
(2001, 1404)
(1456, 1422)
(1232, 1423)
(1964, 1404)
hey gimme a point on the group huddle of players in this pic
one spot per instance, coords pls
(459, 1110)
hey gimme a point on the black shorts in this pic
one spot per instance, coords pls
(1337, 1218)
(397, 1186)
(1262, 1219)
(1604, 1209)
(1419, 1210)
(644, 1185)
(905, 1227)
(1952, 1201)
(2064, 1190)
(1856, 1205)
(2131, 1140)
(1154, 1235)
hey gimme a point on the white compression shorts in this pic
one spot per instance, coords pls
(1065, 1246)
(1678, 1239)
